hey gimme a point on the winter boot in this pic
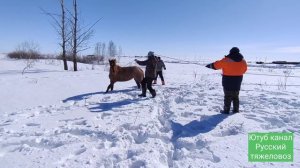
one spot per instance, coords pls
(154, 82)
(142, 95)
(163, 82)
(153, 93)
(226, 110)
(235, 110)
(143, 92)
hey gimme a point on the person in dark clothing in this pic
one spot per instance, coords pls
(150, 74)
(233, 66)
(159, 71)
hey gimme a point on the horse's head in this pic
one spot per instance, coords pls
(112, 63)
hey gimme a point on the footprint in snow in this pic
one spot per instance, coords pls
(7, 122)
(84, 122)
(32, 124)
(80, 151)
(138, 163)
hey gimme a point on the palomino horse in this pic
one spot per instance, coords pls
(117, 73)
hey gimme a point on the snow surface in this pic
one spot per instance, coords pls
(55, 118)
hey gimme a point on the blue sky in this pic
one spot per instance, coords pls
(262, 29)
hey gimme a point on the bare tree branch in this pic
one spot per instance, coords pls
(80, 34)
(60, 27)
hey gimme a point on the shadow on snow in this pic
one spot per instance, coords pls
(88, 95)
(102, 107)
(196, 127)
(81, 97)
(106, 106)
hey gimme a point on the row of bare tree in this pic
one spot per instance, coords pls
(111, 51)
(73, 36)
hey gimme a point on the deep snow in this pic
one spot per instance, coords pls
(55, 118)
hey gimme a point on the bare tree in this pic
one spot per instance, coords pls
(61, 26)
(74, 35)
(80, 35)
(98, 52)
(98, 49)
(120, 51)
(103, 49)
(103, 52)
(287, 73)
(63, 35)
(112, 49)
(30, 53)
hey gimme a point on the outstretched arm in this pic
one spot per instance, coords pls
(211, 65)
(217, 65)
(141, 62)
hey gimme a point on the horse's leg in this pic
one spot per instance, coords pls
(138, 78)
(108, 87)
(138, 84)
(112, 86)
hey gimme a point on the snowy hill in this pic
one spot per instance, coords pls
(55, 118)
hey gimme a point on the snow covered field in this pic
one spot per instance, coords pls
(55, 118)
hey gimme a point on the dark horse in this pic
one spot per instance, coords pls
(117, 73)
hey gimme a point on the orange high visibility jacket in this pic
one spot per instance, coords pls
(231, 67)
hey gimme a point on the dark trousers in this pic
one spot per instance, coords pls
(231, 96)
(160, 74)
(147, 84)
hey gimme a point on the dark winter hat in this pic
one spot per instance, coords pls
(234, 50)
(150, 53)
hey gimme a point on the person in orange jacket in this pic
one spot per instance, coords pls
(233, 66)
